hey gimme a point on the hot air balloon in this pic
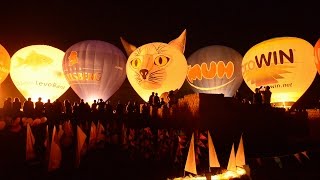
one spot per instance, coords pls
(36, 71)
(215, 70)
(4, 63)
(285, 64)
(317, 55)
(94, 69)
(156, 67)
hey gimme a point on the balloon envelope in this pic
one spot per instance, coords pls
(317, 55)
(285, 64)
(156, 67)
(36, 71)
(94, 69)
(4, 63)
(215, 70)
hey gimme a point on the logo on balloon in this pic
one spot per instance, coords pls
(267, 65)
(215, 70)
(73, 58)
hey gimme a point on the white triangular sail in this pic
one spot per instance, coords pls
(81, 138)
(191, 159)
(55, 152)
(30, 153)
(93, 135)
(240, 157)
(232, 161)
(213, 158)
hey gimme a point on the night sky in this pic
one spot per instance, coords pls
(238, 25)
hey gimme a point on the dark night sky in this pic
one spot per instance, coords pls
(239, 25)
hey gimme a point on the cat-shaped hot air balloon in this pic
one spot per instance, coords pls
(156, 67)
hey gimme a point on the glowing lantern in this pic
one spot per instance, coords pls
(215, 70)
(37, 72)
(285, 64)
(4, 63)
(156, 67)
(317, 55)
(94, 69)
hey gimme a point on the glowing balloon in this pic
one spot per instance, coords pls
(215, 70)
(156, 67)
(95, 69)
(4, 63)
(317, 55)
(37, 72)
(285, 64)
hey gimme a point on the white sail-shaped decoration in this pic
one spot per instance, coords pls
(232, 161)
(240, 157)
(213, 158)
(191, 159)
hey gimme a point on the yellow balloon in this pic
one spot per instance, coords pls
(286, 64)
(37, 72)
(4, 63)
(156, 67)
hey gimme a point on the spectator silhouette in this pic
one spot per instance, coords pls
(28, 107)
(101, 105)
(151, 98)
(266, 96)
(162, 102)
(257, 97)
(39, 107)
(7, 106)
(48, 108)
(16, 105)
(156, 100)
(94, 106)
(68, 107)
(171, 98)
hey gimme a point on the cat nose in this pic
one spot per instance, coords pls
(144, 73)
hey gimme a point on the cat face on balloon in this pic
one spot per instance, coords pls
(152, 64)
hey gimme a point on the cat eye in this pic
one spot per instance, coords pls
(161, 60)
(135, 63)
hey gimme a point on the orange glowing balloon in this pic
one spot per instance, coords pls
(4, 63)
(284, 64)
(317, 55)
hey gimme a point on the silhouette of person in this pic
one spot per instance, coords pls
(257, 97)
(151, 98)
(266, 96)
(16, 105)
(28, 107)
(39, 107)
(171, 98)
(68, 107)
(162, 102)
(7, 106)
(94, 106)
(156, 100)
(48, 107)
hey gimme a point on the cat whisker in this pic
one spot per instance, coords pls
(158, 70)
(155, 78)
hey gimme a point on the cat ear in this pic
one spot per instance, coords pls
(180, 42)
(128, 47)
